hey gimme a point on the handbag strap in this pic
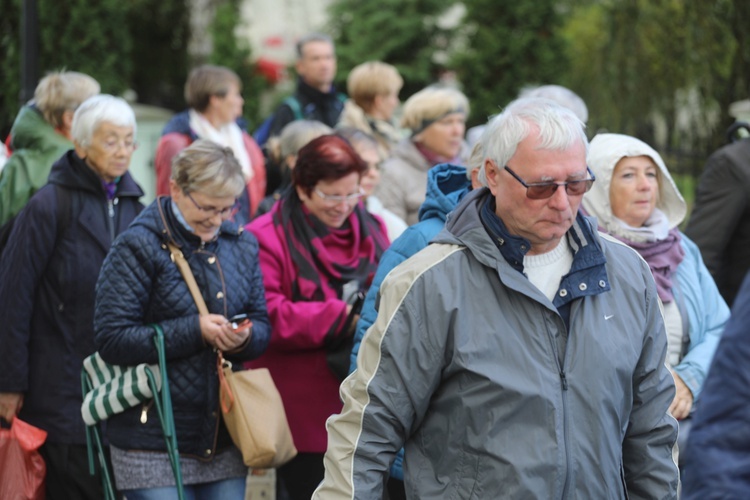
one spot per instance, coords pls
(226, 396)
(182, 264)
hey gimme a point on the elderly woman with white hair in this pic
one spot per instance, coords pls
(436, 118)
(48, 270)
(635, 200)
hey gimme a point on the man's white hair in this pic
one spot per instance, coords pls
(559, 129)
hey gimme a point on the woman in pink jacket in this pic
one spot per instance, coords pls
(318, 247)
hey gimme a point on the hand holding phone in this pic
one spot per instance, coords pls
(239, 322)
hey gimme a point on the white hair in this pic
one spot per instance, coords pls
(559, 129)
(96, 110)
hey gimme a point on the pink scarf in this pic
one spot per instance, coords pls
(663, 257)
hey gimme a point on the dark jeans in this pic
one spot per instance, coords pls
(395, 489)
(299, 478)
(68, 475)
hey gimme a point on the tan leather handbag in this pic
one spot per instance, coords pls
(250, 403)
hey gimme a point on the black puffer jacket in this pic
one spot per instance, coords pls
(47, 293)
(140, 285)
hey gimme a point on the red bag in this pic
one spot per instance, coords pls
(22, 468)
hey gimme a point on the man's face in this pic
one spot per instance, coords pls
(317, 66)
(542, 222)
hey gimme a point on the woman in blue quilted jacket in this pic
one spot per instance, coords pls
(140, 285)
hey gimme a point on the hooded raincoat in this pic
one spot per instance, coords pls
(705, 312)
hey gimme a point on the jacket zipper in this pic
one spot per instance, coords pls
(111, 221)
(564, 395)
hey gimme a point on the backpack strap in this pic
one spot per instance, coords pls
(293, 104)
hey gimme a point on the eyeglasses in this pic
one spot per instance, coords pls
(332, 199)
(544, 190)
(113, 145)
(224, 213)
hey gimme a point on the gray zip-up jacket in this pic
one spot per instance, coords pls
(473, 369)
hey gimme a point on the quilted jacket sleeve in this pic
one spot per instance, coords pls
(122, 296)
(255, 307)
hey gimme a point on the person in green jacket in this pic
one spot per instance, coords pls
(40, 135)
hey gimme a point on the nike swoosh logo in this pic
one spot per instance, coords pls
(608, 317)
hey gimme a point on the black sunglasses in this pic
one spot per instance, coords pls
(544, 190)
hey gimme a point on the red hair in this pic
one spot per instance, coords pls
(326, 158)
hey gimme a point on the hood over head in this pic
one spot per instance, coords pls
(605, 150)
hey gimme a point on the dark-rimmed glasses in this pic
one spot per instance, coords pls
(224, 213)
(332, 199)
(544, 190)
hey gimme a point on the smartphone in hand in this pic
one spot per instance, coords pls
(239, 321)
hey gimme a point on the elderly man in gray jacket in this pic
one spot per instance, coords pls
(521, 354)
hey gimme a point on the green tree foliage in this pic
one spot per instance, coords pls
(85, 36)
(404, 33)
(235, 54)
(677, 63)
(135, 44)
(10, 49)
(160, 32)
(505, 46)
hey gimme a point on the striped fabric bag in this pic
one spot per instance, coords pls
(115, 388)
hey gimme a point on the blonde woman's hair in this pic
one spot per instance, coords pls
(206, 81)
(294, 136)
(430, 105)
(208, 168)
(63, 91)
(371, 79)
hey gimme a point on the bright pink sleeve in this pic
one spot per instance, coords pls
(295, 325)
